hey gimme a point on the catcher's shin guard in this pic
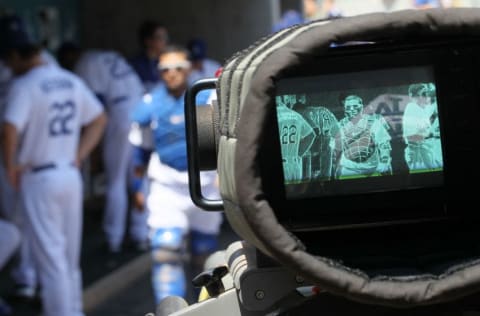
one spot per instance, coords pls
(168, 249)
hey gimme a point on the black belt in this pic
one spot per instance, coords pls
(44, 167)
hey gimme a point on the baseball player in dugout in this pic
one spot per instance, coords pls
(153, 37)
(52, 122)
(158, 133)
(22, 270)
(119, 88)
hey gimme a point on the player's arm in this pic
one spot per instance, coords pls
(434, 129)
(381, 131)
(411, 132)
(140, 158)
(308, 135)
(91, 135)
(141, 138)
(306, 143)
(10, 144)
(15, 119)
(382, 139)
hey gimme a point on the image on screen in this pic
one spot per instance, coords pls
(359, 132)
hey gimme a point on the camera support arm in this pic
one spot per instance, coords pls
(255, 291)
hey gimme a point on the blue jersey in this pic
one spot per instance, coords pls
(164, 114)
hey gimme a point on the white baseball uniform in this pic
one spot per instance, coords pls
(159, 123)
(23, 272)
(169, 184)
(115, 82)
(10, 240)
(7, 194)
(48, 106)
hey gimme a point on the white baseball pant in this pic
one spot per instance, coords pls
(53, 208)
(10, 241)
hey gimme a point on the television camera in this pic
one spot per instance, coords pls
(346, 152)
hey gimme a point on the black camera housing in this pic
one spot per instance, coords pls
(417, 244)
(438, 197)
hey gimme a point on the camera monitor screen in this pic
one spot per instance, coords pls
(359, 132)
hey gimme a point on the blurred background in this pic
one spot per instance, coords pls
(113, 23)
(120, 285)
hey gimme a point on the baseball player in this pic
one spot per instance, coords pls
(421, 130)
(321, 156)
(172, 215)
(153, 37)
(59, 121)
(296, 138)
(23, 271)
(119, 88)
(365, 141)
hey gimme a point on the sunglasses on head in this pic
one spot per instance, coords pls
(183, 65)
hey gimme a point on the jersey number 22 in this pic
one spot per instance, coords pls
(63, 113)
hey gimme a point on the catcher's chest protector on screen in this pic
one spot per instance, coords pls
(246, 97)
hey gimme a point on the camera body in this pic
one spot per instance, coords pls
(353, 212)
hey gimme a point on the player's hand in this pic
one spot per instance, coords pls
(139, 201)
(14, 174)
(384, 168)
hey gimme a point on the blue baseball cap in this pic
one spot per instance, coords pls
(13, 34)
(197, 48)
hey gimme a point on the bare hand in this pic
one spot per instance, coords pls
(139, 201)
(14, 175)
